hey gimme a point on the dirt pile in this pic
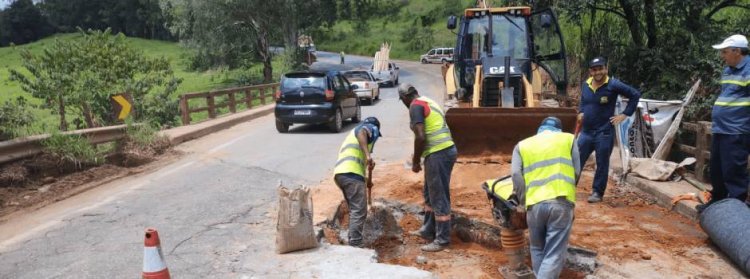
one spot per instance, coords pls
(628, 227)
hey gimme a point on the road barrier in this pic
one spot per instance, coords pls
(29, 146)
(251, 93)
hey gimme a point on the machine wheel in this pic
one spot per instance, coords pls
(358, 116)
(337, 123)
(282, 127)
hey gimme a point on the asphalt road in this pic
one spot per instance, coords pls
(214, 207)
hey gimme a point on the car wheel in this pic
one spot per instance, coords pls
(443, 61)
(396, 81)
(281, 126)
(377, 96)
(337, 122)
(358, 116)
(424, 61)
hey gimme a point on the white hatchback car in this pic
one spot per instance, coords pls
(367, 86)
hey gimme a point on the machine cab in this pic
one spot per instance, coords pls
(488, 35)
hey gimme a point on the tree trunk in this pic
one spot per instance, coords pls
(264, 52)
(632, 18)
(651, 35)
(88, 116)
(61, 110)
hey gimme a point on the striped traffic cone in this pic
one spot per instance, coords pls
(154, 266)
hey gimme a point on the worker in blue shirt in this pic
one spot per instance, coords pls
(730, 144)
(597, 113)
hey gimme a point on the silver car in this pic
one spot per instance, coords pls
(437, 55)
(367, 86)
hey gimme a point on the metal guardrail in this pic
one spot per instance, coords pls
(29, 146)
(232, 101)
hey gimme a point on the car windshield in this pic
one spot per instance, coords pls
(508, 36)
(305, 81)
(357, 76)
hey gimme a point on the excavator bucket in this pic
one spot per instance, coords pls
(492, 131)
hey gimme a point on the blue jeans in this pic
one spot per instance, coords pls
(550, 223)
(436, 192)
(729, 166)
(601, 140)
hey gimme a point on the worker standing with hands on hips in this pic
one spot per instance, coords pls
(433, 142)
(597, 114)
(545, 169)
(730, 143)
(349, 174)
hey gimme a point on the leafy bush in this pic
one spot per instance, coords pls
(71, 148)
(15, 117)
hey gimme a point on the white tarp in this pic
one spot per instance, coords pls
(650, 131)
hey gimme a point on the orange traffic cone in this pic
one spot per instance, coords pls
(154, 266)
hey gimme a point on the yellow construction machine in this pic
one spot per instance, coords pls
(506, 62)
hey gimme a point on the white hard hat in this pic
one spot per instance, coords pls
(739, 41)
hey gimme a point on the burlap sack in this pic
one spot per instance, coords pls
(294, 229)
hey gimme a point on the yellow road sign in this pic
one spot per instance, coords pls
(122, 106)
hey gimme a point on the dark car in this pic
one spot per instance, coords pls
(316, 98)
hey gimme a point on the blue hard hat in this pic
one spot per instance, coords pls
(374, 121)
(550, 123)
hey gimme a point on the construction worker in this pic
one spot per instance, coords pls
(349, 174)
(730, 144)
(597, 117)
(545, 170)
(433, 142)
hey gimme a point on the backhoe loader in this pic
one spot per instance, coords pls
(506, 60)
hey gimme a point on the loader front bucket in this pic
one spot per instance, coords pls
(493, 131)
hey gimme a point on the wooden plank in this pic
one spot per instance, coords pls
(184, 110)
(232, 102)
(198, 109)
(211, 106)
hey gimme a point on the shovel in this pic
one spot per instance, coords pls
(369, 187)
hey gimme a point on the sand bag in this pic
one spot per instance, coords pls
(294, 229)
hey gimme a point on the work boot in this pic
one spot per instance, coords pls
(595, 198)
(424, 235)
(434, 247)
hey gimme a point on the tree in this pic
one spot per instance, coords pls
(22, 22)
(80, 76)
(226, 32)
(666, 43)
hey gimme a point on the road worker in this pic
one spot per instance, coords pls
(433, 142)
(730, 144)
(545, 169)
(349, 174)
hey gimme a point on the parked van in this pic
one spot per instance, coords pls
(437, 55)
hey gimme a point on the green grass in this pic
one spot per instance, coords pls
(177, 55)
(342, 37)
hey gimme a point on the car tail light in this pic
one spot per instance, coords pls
(329, 95)
(277, 95)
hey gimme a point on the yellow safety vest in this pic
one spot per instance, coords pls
(351, 158)
(500, 188)
(548, 167)
(436, 129)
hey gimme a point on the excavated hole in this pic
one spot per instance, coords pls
(474, 244)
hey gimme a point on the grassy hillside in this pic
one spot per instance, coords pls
(178, 56)
(393, 29)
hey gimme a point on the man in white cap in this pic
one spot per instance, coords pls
(730, 143)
